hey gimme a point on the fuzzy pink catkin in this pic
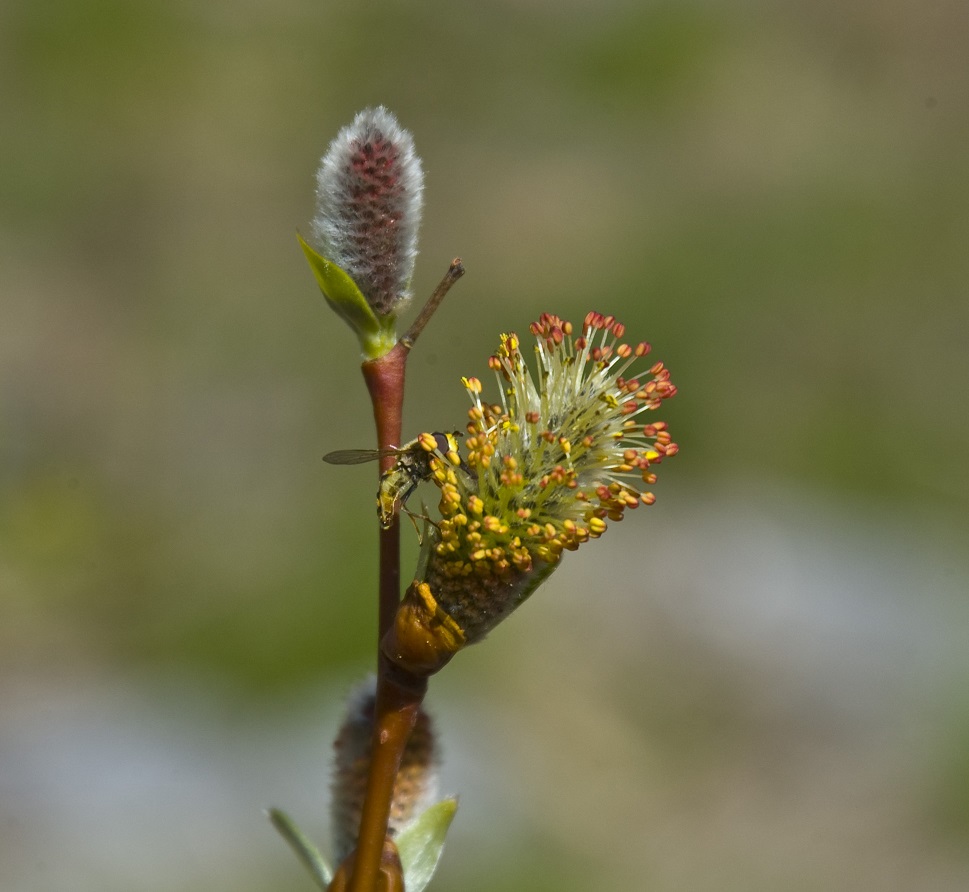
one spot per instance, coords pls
(369, 195)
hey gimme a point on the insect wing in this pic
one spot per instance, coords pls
(352, 456)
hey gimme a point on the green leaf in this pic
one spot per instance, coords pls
(301, 845)
(421, 843)
(377, 334)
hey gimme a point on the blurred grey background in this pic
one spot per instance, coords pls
(757, 684)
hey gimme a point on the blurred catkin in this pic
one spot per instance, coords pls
(416, 786)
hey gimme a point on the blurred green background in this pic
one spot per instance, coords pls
(757, 684)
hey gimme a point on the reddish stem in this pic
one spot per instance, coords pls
(399, 693)
(394, 716)
(385, 381)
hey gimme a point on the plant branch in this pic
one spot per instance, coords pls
(455, 271)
